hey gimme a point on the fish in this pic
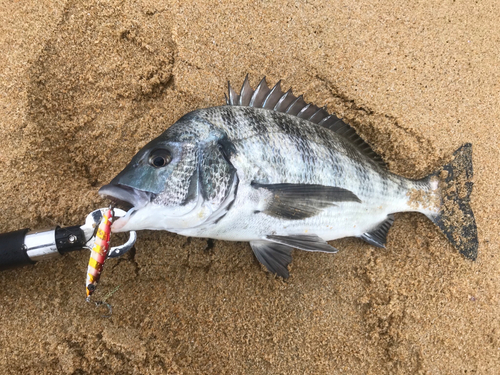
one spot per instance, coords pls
(282, 174)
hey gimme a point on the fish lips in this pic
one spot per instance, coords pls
(126, 195)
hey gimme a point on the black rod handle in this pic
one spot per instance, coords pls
(27, 247)
(13, 252)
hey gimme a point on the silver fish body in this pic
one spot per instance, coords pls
(272, 170)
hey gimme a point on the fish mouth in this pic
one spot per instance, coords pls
(127, 197)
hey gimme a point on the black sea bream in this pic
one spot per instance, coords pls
(272, 170)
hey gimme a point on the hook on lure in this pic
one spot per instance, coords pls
(104, 303)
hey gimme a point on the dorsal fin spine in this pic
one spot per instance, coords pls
(315, 114)
(260, 93)
(290, 110)
(231, 95)
(303, 110)
(245, 93)
(325, 120)
(273, 96)
(279, 105)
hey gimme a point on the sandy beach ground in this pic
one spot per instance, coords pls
(85, 84)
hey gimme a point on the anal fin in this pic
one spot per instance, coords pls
(274, 256)
(378, 236)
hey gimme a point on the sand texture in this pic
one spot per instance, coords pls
(85, 84)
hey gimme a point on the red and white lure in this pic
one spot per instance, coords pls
(99, 252)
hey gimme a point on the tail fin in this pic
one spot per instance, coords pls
(455, 217)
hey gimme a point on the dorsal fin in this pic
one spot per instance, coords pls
(286, 102)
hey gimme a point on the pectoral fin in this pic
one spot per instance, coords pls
(300, 201)
(274, 256)
(307, 242)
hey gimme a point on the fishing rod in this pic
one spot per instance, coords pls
(26, 246)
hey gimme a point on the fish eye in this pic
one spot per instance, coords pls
(160, 158)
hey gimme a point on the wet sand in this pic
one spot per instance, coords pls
(85, 84)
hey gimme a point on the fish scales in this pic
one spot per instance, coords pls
(272, 170)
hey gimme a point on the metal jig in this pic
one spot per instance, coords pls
(99, 252)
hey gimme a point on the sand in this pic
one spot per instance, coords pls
(85, 84)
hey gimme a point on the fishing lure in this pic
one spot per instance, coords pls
(99, 252)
